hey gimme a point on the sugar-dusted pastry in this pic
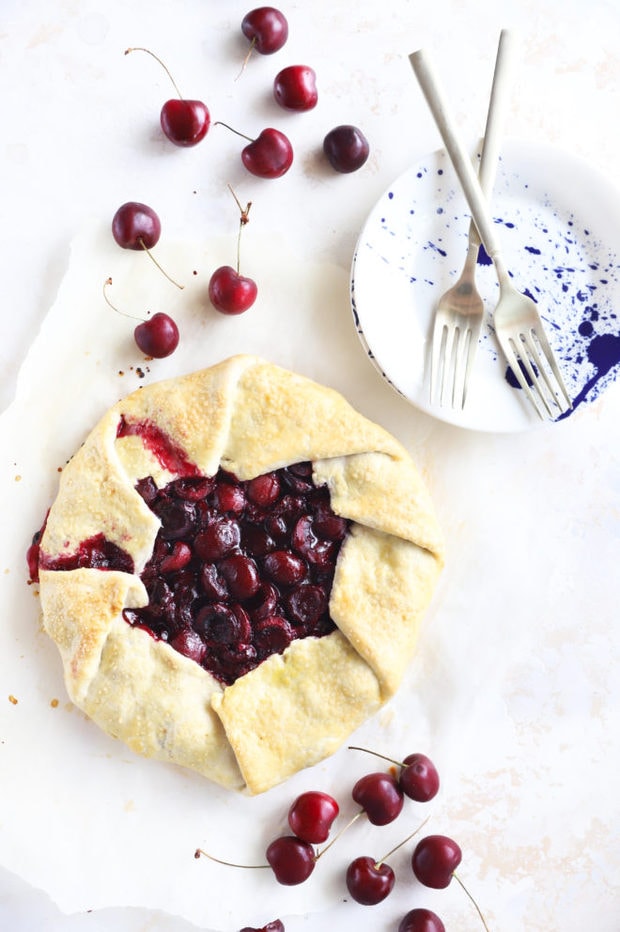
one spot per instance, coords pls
(234, 571)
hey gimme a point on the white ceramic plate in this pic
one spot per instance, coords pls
(559, 224)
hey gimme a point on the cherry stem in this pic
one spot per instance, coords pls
(205, 854)
(243, 219)
(478, 910)
(236, 131)
(157, 59)
(403, 842)
(162, 270)
(339, 834)
(106, 283)
(391, 760)
(247, 58)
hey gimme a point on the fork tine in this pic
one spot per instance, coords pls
(463, 365)
(533, 341)
(437, 360)
(563, 403)
(508, 349)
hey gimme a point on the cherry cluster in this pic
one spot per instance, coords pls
(380, 796)
(185, 122)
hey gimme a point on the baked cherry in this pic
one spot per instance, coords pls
(311, 816)
(184, 122)
(294, 88)
(346, 148)
(291, 859)
(380, 797)
(157, 336)
(434, 861)
(421, 920)
(369, 881)
(266, 28)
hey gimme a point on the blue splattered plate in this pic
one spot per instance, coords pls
(559, 224)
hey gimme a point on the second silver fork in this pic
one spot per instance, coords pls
(460, 311)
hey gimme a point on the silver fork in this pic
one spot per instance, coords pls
(460, 310)
(517, 324)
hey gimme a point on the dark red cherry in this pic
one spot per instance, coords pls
(434, 860)
(270, 155)
(266, 28)
(185, 122)
(231, 293)
(189, 643)
(264, 490)
(346, 148)
(294, 88)
(311, 816)
(241, 575)
(421, 920)
(291, 859)
(284, 567)
(158, 336)
(380, 797)
(136, 226)
(369, 881)
(276, 925)
(418, 778)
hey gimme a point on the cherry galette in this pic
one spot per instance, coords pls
(234, 570)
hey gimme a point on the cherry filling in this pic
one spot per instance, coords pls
(239, 568)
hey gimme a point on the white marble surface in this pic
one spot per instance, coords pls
(516, 678)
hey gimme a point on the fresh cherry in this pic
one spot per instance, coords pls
(421, 920)
(266, 28)
(291, 859)
(276, 925)
(418, 777)
(229, 291)
(311, 816)
(369, 881)
(294, 88)
(184, 122)
(157, 336)
(136, 226)
(434, 861)
(269, 155)
(380, 797)
(346, 148)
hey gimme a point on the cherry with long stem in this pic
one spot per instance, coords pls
(156, 336)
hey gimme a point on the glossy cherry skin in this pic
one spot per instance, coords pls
(434, 861)
(294, 88)
(369, 881)
(158, 336)
(276, 925)
(270, 155)
(231, 293)
(421, 920)
(291, 859)
(311, 816)
(266, 28)
(346, 148)
(380, 797)
(185, 122)
(136, 226)
(418, 778)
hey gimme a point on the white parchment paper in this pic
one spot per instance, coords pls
(513, 692)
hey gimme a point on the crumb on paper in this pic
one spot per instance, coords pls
(54, 703)
(12, 699)
(18, 478)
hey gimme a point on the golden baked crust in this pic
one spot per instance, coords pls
(249, 417)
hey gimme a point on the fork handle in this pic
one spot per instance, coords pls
(496, 118)
(458, 156)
